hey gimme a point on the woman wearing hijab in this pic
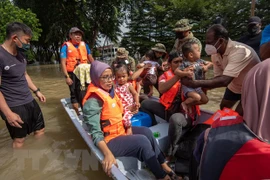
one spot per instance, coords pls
(103, 115)
(238, 147)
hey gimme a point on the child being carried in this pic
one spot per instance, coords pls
(193, 62)
(150, 78)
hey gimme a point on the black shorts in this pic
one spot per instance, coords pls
(32, 117)
(231, 96)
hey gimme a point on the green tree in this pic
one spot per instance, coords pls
(149, 24)
(152, 21)
(10, 13)
(56, 18)
(263, 11)
(101, 17)
(94, 17)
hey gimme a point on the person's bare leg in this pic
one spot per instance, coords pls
(18, 142)
(167, 177)
(193, 98)
(76, 107)
(168, 170)
(151, 92)
(139, 87)
(227, 103)
(204, 99)
(239, 109)
(40, 132)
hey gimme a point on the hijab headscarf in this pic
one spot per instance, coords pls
(97, 68)
(256, 99)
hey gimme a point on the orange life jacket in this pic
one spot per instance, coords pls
(134, 84)
(111, 114)
(167, 98)
(75, 55)
(233, 151)
(220, 113)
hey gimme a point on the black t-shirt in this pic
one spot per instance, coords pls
(14, 86)
(252, 41)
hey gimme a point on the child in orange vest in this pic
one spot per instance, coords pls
(127, 93)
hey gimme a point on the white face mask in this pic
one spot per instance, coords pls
(211, 49)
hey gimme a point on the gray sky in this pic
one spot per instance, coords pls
(123, 29)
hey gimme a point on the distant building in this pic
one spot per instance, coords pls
(107, 52)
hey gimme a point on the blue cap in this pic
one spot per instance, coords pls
(266, 35)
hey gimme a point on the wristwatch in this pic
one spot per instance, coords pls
(36, 91)
(67, 76)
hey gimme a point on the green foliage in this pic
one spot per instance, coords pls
(96, 53)
(101, 17)
(149, 24)
(263, 11)
(94, 17)
(30, 56)
(152, 21)
(10, 13)
(149, 21)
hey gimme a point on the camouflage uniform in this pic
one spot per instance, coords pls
(159, 48)
(122, 53)
(181, 26)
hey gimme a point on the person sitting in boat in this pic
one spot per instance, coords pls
(238, 147)
(160, 55)
(169, 105)
(103, 115)
(127, 93)
(123, 58)
(192, 53)
(150, 77)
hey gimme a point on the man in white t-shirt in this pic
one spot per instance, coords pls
(232, 60)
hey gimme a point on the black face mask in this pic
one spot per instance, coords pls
(179, 35)
(253, 30)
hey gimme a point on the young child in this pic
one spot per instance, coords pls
(193, 62)
(127, 93)
(150, 78)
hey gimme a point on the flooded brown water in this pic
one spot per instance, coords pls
(61, 153)
(47, 157)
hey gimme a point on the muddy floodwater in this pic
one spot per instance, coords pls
(61, 153)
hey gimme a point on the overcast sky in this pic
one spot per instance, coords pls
(123, 29)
